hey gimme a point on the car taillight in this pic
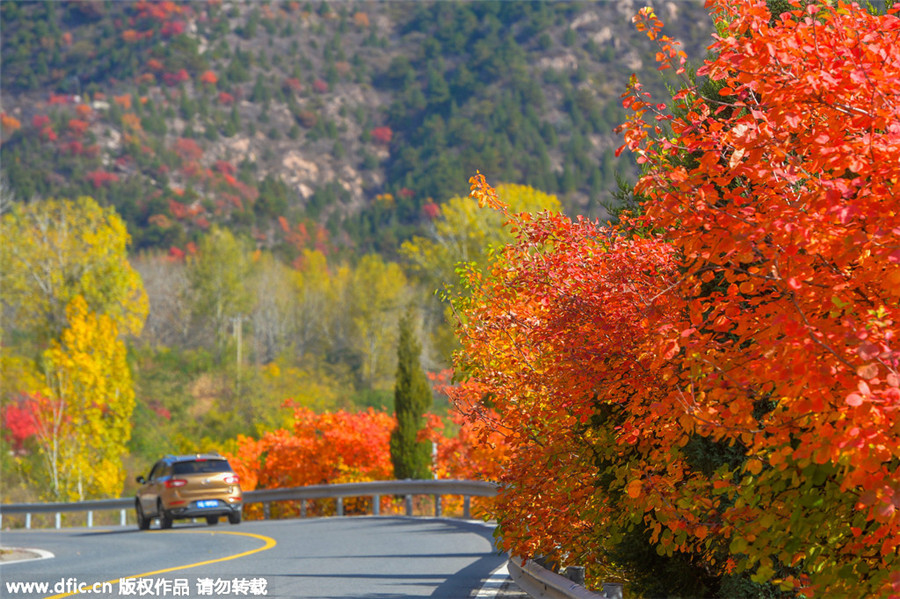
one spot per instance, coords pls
(232, 479)
(175, 482)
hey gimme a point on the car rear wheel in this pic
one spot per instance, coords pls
(234, 517)
(212, 520)
(142, 520)
(165, 519)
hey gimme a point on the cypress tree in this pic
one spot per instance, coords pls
(412, 397)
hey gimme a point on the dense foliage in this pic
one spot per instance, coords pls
(231, 333)
(342, 447)
(718, 379)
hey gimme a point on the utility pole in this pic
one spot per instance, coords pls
(236, 322)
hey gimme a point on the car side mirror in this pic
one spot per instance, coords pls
(141, 479)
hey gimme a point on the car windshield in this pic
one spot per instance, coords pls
(198, 466)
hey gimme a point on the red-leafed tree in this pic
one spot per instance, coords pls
(19, 424)
(101, 178)
(382, 135)
(176, 78)
(208, 78)
(560, 320)
(188, 149)
(77, 127)
(332, 447)
(728, 385)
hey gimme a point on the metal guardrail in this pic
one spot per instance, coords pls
(375, 489)
(541, 583)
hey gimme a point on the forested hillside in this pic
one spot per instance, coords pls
(284, 179)
(357, 117)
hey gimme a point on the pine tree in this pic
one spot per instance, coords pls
(412, 397)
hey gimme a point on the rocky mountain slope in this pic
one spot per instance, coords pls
(339, 124)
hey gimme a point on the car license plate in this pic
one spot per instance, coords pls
(208, 503)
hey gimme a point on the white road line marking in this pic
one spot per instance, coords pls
(493, 584)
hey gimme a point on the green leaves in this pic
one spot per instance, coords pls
(56, 250)
(410, 455)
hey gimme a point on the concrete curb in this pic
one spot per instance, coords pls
(14, 555)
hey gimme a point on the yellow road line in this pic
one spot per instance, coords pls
(269, 543)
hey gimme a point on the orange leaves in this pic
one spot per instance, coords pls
(77, 127)
(559, 327)
(361, 20)
(786, 218)
(484, 193)
(131, 122)
(208, 78)
(9, 123)
(334, 447)
(634, 488)
(754, 466)
(760, 328)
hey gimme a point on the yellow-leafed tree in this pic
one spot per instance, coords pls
(84, 413)
(463, 234)
(55, 250)
(69, 294)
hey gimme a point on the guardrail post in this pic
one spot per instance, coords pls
(27, 520)
(339, 502)
(409, 505)
(437, 506)
(303, 508)
(376, 505)
(267, 510)
(575, 574)
(467, 510)
(58, 520)
(123, 517)
(90, 519)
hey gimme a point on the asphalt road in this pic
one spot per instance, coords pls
(361, 557)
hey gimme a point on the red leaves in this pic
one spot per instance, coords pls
(77, 127)
(293, 84)
(173, 79)
(188, 149)
(561, 322)
(342, 446)
(172, 28)
(382, 135)
(777, 336)
(101, 178)
(430, 210)
(19, 423)
(797, 235)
